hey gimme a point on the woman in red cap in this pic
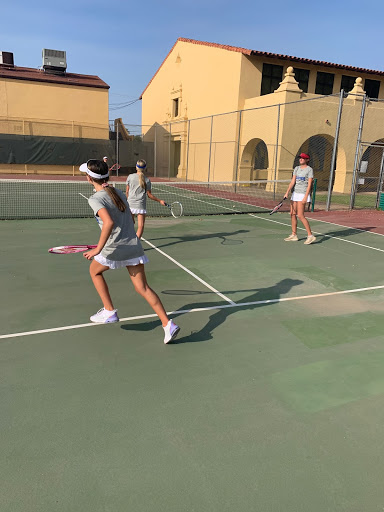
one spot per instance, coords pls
(300, 186)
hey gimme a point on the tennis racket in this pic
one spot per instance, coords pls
(70, 249)
(278, 206)
(176, 209)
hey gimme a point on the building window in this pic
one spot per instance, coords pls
(175, 107)
(272, 76)
(302, 76)
(324, 83)
(347, 83)
(372, 88)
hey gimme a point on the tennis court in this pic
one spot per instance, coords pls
(271, 398)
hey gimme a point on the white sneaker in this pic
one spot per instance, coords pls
(171, 330)
(291, 238)
(310, 240)
(103, 316)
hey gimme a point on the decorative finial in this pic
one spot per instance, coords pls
(357, 92)
(289, 83)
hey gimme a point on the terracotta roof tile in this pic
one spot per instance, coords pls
(269, 55)
(37, 75)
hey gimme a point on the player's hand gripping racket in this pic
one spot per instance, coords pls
(70, 249)
(176, 209)
(278, 206)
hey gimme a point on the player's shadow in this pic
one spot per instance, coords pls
(225, 238)
(344, 233)
(258, 298)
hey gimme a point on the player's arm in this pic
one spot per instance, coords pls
(154, 198)
(291, 185)
(104, 235)
(127, 191)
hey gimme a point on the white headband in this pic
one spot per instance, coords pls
(84, 168)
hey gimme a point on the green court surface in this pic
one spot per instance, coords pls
(271, 399)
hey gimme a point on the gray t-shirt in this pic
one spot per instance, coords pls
(137, 196)
(122, 243)
(302, 177)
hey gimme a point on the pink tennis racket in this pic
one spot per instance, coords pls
(278, 206)
(70, 249)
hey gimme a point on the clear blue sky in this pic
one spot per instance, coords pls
(124, 42)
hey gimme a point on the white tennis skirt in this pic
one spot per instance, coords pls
(141, 260)
(138, 210)
(297, 197)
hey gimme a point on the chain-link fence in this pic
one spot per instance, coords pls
(343, 134)
(340, 132)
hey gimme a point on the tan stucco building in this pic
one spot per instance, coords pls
(217, 108)
(64, 108)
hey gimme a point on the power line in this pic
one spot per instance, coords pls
(117, 106)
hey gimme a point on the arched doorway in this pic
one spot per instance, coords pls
(319, 148)
(260, 156)
(254, 160)
(370, 165)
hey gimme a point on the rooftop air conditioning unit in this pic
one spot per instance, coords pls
(6, 58)
(54, 61)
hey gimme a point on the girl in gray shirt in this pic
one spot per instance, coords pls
(300, 186)
(138, 188)
(118, 246)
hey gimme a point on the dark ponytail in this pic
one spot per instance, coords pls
(101, 168)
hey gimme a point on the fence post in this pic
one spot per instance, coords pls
(334, 152)
(238, 147)
(277, 149)
(155, 153)
(210, 150)
(117, 148)
(356, 162)
(186, 170)
(169, 151)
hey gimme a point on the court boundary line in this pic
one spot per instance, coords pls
(348, 227)
(189, 272)
(321, 234)
(195, 310)
(282, 223)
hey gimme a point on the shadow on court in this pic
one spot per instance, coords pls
(219, 316)
(344, 233)
(225, 238)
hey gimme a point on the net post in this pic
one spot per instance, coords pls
(334, 152)
(381, 178)
(314, 194)
(355, 165)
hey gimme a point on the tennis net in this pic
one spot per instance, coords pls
(48, 199)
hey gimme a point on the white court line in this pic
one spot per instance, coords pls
(318, 233)
(195, 310)
(189, 272)
(284, 224)
(342, 226)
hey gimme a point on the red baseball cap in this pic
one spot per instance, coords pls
(304, 155)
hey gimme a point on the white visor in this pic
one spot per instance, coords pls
(84, 168)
